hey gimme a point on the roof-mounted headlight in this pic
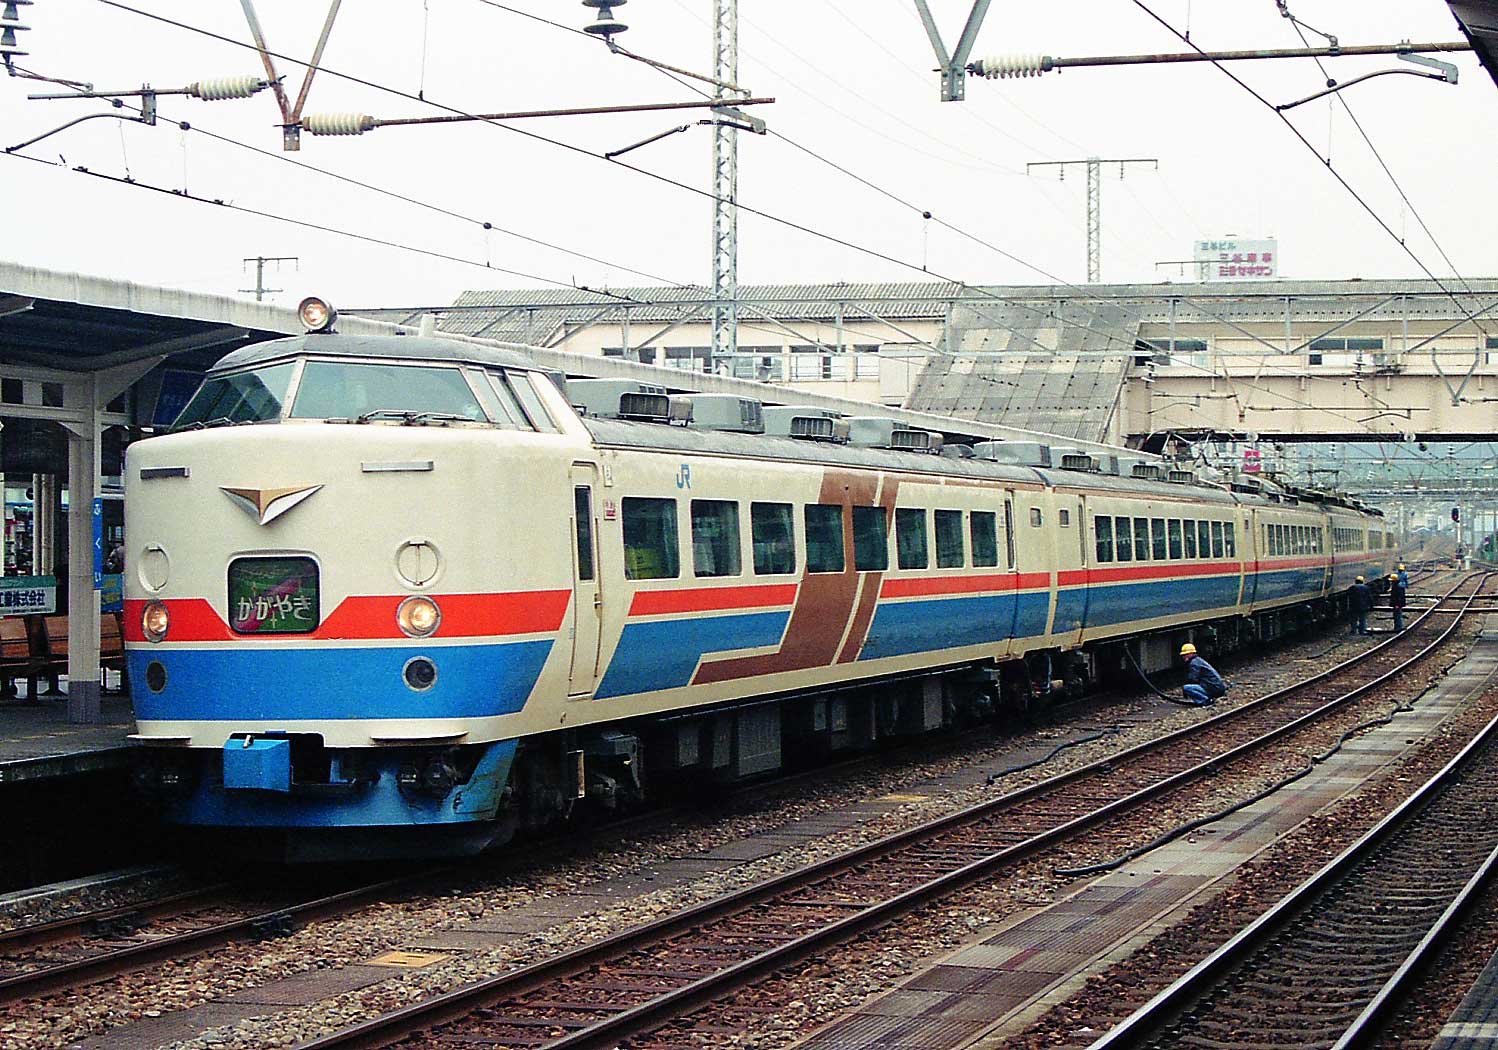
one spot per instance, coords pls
(316, 315)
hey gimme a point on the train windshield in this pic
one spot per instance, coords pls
(341, 390)
(245, 397)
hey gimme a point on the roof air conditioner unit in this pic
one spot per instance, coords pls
(600, 397)
(1180, 477)
(819, 428)
(1019, 453)
(1147, 471)
(958, 451)
(915, 441)
(654, 408)
(778, 417)
(742, 415)
(1078, 461)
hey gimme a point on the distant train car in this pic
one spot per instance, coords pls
(396, 595)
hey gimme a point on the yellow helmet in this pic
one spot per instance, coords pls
(1393, 576)
(1188, 649)
(1401, 566)
(1360, 579)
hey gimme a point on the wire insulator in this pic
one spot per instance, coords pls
(220, 88)
(1004, 66)
(337, 123)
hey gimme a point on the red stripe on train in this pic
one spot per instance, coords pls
(373, 617)
(711, 599)
(997, 581)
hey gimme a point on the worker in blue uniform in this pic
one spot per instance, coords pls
(1204, 685)
(1359, 601)
(1404, 578)
(1396, 600)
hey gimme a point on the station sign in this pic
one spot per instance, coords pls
(1253, 461)
(27, 595)
(1236, 259)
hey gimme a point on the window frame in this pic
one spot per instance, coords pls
(754, 548)
(922, 534)
(943, 558)
(735, 548)
(836, 510)
(673, 547)
(880, 549)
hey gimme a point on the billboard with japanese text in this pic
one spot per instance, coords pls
(1236, 259)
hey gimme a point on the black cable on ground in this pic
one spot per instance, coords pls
(1179, 700)
(1190, 826)
(992, 777)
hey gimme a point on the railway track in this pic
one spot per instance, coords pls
(1358, 932)
(620, 989)
(66, 953)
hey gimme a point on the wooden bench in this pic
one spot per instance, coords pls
(18, 657)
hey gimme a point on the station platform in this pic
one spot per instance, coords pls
(38, 743)
(987, 992)
(1473, 1025)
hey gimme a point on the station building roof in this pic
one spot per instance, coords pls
(1479, 20)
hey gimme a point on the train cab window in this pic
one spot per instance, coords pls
(824, 538)
(1141, 539)
(1157, 539)
(910, 538)
(344, 390)
(1123, 530)
(520, 382)
(715, 537)
(772, 531)
(870, 539)
(1230, 539)
(949, 553)
(651, 551)
(1217, 551)
(1204, 538)
(1189, 535)
(1175, 539)
(1103, 531)
(504, 406)
(984, 528)
(244, 397)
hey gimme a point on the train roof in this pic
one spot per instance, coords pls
(410, 347)
(659, 437)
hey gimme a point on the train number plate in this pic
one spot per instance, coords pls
(273, 595)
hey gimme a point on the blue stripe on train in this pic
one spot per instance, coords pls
(905, 627)
(255, 683)
(1113, 603)
(664, 654)
(1288, 583)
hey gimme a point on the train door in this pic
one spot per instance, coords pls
(1011, 563)
(1326, 556)
(587, 599)
(1253, 552)
(1072, 561)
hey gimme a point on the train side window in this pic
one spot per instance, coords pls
(715, 537)
(910, 538)
(985, 534)
(650, 545)
(1124, 530)
(949, 553)
(1217, 539)
(1013, 562)
(1230, 539)
(1204, 538)
(1157, 539)
(1190, 537)
(870, 539)
(773, 534)
(520, 383)
(824, 538)
(1141, 539)
(582, 507)
(1037, 519)
(1103, 529)
(1175, 539)
(1064, 517)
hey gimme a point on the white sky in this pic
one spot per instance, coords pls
(854, 83)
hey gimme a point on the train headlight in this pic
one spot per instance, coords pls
(418, 616)
(316, 315)
(154, 621)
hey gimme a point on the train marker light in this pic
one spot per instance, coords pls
(418, 616)
(155, 621)
(316, 315)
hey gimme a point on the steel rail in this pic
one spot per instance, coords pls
(387, 1028)
(1145, 1023)
(35, 934)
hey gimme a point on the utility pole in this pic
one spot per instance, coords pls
(725, 188)
(260, 290)
(1094, 193)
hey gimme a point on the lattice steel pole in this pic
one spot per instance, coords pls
(1094, 200)
(725, 189)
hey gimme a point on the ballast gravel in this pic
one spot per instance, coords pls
(355, 939)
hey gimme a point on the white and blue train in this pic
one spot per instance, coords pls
(399, 595)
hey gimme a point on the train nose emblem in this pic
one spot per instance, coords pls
(266, 505)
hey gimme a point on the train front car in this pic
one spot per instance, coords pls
(327, 623)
